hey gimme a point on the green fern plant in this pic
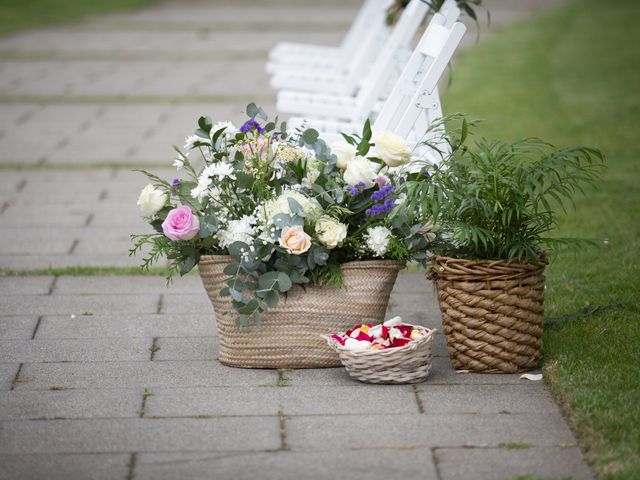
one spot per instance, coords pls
(500, 200)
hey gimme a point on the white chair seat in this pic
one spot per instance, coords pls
(283, 50)
(304, 81)
(316, 63)
(332, 106)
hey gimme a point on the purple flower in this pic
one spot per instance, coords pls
(380, 209)
(175, 182)
(250, 125)
(356, 189)
(381, 194)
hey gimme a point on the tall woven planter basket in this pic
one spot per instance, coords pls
(492, 313)
(289, 335)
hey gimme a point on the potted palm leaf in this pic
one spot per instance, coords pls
(489, 210)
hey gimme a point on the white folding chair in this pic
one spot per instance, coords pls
(287, 55)
(336, 76)
(414, 103)
(337, 113)
(350, 107)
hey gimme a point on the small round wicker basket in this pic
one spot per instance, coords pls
(492, 313)
(408, 364)
(289, 335)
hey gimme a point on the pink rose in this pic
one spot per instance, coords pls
(295, 240)
(181, 224)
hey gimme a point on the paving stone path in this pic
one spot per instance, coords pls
(115, 377)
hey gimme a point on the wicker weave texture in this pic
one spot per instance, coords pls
(492, 313)
(408, 364)
(289, 335)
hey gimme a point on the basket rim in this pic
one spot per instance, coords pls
(488, 261)
(213, 259)
(452, 268)
(387, 351)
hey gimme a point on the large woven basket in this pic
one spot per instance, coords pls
(289, 335)
(408, 364)
(492, 313)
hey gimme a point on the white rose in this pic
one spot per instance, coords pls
(391, 149)
(281, 205)
(377, 239)
(360, 170)
(344, 151)
(151, 200)
(330, 231)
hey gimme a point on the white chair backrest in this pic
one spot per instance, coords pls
(392, 53)
(414, 103)
(359, 60)
(450, 11)
(404, 30)
(369, 11)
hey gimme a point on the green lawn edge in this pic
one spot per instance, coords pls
(571, 76)
(19, 15)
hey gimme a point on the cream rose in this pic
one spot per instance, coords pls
(295, 240)
(281, 205)
(330, 231)
(151, 200)
(344, 153)
(360, 170)
(391, 149)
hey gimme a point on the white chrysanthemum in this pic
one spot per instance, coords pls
(178, 163)
(377, 239)
(281, 205)
(191, 140)
(230, 129)
(202, 189)
(215, 193)
(220, 170)
(313, 170)
(241, 230)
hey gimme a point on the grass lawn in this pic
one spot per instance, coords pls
(22, 14)
(573, 77)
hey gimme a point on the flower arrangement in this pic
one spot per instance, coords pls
(288, 208)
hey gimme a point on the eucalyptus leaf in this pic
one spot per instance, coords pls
(236, 249)
(235, 294)
(252, 110)
(284, 282)
(231, 269)
(188, 264)
(272, 298)
(310, 136)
